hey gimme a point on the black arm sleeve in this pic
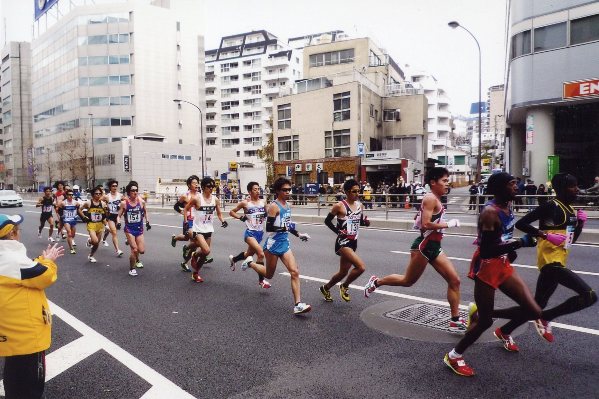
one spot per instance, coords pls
(577, 232)
(489, 248)
(178, 207)
(539, 213)
(270, 225)
(294, 232)
(329, 222)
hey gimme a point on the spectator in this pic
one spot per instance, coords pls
(25, 323)
(481, 191)
(473, 190)
(367, 196)
(530, 190)
(518, 200)
(541, 194)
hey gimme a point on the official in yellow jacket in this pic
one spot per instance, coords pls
(25, 324)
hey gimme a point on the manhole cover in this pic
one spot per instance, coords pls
(423, 314)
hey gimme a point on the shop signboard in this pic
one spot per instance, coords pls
(552, 166)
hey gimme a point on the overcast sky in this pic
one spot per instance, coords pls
(413, 32)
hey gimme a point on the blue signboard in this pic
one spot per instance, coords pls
(475, 106)
(41, 6)
(311, 188)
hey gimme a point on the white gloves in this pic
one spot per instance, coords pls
(453, 223)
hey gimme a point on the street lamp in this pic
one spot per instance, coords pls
(91, 122)
(178, 101)
(455, 24)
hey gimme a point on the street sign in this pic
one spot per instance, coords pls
(126, 166)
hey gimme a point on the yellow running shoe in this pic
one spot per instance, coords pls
(326, 294)
(344, 293)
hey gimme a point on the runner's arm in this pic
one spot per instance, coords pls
(80, 209)
(335, 210)
(271, 216)
(239, 206)
(219, 214)
(188, 206)
(180, 204)
(489, 247)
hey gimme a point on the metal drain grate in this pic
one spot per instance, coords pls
(423, 314)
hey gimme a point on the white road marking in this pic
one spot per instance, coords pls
(585, 330)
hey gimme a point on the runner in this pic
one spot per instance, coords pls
(46, 202)
(427, 249)
(491, 269)
(113, 199)
(253, 216)
(133, 209)
(192, 185)
(349, 217)
(559, 228)
(68, 208)
(95, 217)
(279, 225)
(202, 209)
(59, 196)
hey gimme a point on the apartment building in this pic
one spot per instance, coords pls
(352, 116)
(243, 77)
(108, 73)
(494, 136)
(17, 164)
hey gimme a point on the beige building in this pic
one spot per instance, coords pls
(353, 89)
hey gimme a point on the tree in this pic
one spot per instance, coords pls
(267, 154)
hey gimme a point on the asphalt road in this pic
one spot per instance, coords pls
(161, 335)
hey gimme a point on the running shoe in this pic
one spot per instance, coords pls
(119, 253)
(185, 251)
(326, 294)
(544, 329)
(133, 273)
(73, 251)
(104, 243)
(184, 267)
(64, 236)
(472, 314)
(50, 239)
(301, 308)
(264, 284)
(458, 366)
(39, 234)
(507, 340)
(173, 241)
(232, 262)
(74, 243)
(196, 277)
(126, 242)
(460, 326)
(369, 288)
(91, 259)
(209, 259)
(139, 265)
(344, 293)
(246, 263)
(88, 243)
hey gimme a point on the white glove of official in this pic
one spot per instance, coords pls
(304, 236)
(453, 223)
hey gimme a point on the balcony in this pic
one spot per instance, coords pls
(403, 89)
(312, 84)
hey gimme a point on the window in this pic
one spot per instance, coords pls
(225, 105)
(332, 58)
(391, 115)
(338, 144)
(284, 116)
(550, 37)
(338, 177)
(211, 141)
(288, 148)
(584, 30)
(459, 159)
(341, 105)
(371, 110)
(227, 143)
(521, 44)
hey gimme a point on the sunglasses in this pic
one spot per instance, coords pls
(114, 185)
(133, 190)
(71, 194)
(97, 193)
(286, 190)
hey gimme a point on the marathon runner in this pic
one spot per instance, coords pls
(68, 208)
(95, 217)
(113, 199)
(254, 215)
(46, 202)
(133, 209)
(59, 196)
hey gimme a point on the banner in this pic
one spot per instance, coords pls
(552, 166)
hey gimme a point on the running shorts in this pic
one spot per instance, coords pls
(135, 231)
(98, 227)
(45, 216)
(205, 235)
(276, 247)
(429, 246)
(494, 271)
(344, 242)
(112, 217)
(187, 226)
(253, 234)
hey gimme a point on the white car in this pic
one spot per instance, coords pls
(10, 198)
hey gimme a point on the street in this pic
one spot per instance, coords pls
(161, 335)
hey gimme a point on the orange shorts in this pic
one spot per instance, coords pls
(494, 271)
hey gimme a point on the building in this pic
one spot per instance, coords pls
(353, 116)
(105, 73)
(494, 136)
(18, 168)
(439, 110)
(552, 91)
(243, 77)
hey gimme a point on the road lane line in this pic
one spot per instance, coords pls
(513, 264)
(585, 330)
(157, 380)
(69, 355)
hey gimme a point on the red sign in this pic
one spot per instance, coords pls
(581, 89)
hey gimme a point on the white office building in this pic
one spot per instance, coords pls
(108, 73)
(243, 76)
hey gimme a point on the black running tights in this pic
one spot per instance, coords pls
(24, 376)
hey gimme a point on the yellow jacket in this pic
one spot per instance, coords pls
(25, 318)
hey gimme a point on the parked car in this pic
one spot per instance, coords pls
(10, 198)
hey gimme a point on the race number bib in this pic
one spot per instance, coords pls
(134, 217)
(569, 237)
(95, 217)
(47, 208)
(113, 208)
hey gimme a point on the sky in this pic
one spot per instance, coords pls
(414, 32)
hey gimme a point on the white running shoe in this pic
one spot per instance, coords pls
(104, 243)
(39, 234)
(119, 253)
(232, 262)
(139, 265)
(74, 243)
(264, 284)
(133, 273)
(91, 259)
(301, 308)
(246, 263)
(50, 239)
(369, 288)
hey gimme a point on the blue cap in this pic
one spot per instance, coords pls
(8, 222)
